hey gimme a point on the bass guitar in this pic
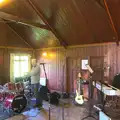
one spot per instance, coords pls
(79, 98)
(79, 92)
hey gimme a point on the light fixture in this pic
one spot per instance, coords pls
(5, 2)
(51, 54)
(44, 54)
(1, 1)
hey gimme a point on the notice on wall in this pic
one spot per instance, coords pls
(84, 63)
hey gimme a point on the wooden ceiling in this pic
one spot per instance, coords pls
(50, 23)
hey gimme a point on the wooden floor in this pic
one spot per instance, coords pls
(70, 112)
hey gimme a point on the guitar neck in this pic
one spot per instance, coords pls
(80, 86)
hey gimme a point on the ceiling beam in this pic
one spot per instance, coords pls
(86, 21)
(18, 20)
(45, 20)
(111, 21)
(14, 31)
(100, 4)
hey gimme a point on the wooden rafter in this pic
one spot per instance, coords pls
(90, 30)
(12, 29)
(100, 4)
(42, 16)
(111, 21)
(18, 20)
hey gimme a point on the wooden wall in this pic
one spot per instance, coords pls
(59, 65)
(62, 64)
(5, 62)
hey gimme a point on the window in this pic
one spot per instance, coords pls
(19, 65)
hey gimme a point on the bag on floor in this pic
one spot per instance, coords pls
(54, 98)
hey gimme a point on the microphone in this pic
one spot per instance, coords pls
(89, 68)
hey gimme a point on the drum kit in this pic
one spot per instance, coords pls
(12, 97)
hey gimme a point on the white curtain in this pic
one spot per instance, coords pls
(20, 65)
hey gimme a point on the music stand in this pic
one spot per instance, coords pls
(90, 95)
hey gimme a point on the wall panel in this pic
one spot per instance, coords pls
(56, 66)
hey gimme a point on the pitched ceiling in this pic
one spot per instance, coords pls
(50, 23)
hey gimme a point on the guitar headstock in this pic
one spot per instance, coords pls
(79, 75)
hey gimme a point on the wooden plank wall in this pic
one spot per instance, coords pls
(56, 66)
(5, 62)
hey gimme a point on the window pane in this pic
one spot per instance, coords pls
(16, 69)
(16, 57)
(24, 67)
(21, 66)
(24, 58)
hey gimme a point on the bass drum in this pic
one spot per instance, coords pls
(17, 103)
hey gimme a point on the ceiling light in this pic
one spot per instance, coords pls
(44, 54)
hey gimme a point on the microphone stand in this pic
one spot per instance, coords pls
(102, 94)
(63, 94)
(48, 94)
(49, 106)
(90, 94)
(90, 100)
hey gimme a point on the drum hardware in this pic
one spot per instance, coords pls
(12, 100)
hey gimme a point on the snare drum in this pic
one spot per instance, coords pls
(16, 103)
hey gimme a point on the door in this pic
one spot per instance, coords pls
(97, 64)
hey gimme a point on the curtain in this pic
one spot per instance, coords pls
(20, 65)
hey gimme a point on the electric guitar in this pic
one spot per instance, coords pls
(79, 97)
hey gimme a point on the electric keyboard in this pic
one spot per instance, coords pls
(107, 89)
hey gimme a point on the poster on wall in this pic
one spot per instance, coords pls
(84, 62)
